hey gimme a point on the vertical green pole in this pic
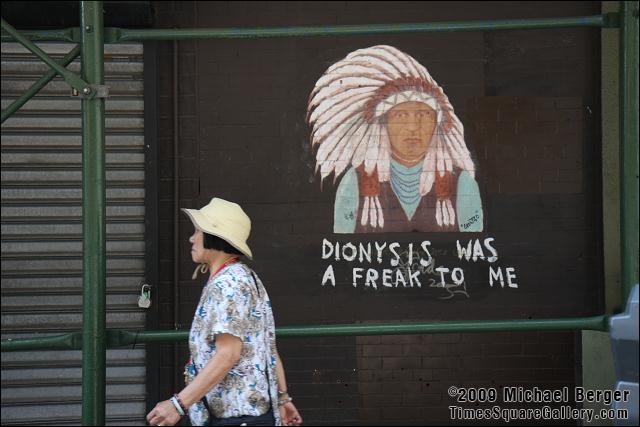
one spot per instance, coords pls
(629, 145)
(93, 219)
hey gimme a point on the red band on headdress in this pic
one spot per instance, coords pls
(409, 83)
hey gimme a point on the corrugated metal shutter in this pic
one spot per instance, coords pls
(42, 237)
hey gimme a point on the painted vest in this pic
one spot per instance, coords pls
(395, 218)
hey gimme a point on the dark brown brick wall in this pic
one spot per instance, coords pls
(529, 101)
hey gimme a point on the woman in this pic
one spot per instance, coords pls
(235, 375)
(379, 117)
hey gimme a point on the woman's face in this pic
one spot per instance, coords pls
(410, 126)
(197, 246)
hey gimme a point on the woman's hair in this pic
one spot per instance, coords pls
(215, 242)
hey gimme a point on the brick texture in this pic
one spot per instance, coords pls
(530, 104)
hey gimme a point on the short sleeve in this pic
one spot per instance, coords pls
(469, 204)
(346, 206)
(228, 309)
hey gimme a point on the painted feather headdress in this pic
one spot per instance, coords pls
(346, 111)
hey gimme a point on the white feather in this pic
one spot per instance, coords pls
(380, 214)
(337, 103)
(463, 160)
(371, 156)
(374, 65)
(445, 212)
(428, 177)
(454, 144)
(387, 58)
(439, 213)
(346, 92)
(321, 93)
(384, 157)
(326, 167)
(347, 70)
(344, 157)
(439, 158)
(345, 116)
(361, 149)
(373, 213)
(403, 59)
(426, 182)
(379, 61)
(335, 116)
(447, 155)
(365, 212)
(356, 132)
(452, 213)
(327, 146)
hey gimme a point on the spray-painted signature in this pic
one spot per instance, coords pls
(413, 265)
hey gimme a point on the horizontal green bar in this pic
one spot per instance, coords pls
(71, 35)
(235, 33)
(119, 338)
(121, 35)
(72, 340)
(597, 323)
(124, 338)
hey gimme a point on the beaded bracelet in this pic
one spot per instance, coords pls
(284, 401)
(177, 405)
(184, 408)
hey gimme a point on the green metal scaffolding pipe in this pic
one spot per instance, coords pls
(121, 35)
(42, 82)
(70, 341)
(596, 323)
(628, 146)
(73, 80)
(71, 35)
(119, 338)
(94, 230)
(239, 33)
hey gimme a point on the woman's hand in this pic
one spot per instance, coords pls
(164, 414)
(289, 415)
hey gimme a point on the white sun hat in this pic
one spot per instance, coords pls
(225, 220)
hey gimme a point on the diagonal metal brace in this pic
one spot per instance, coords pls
(72, 79)
(35, 88)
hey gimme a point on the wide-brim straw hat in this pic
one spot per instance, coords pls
(225, 220)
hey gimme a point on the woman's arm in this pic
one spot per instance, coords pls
(228, 350)
(282, 380)
(288, 411)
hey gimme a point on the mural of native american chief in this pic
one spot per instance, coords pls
(381, 123)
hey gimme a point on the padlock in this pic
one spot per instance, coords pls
(144, 300)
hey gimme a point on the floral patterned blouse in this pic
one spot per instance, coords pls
(233, 303)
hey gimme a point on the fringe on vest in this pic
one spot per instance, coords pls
(372, 214)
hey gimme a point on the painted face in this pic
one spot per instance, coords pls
(410, 126)
(197, 246)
